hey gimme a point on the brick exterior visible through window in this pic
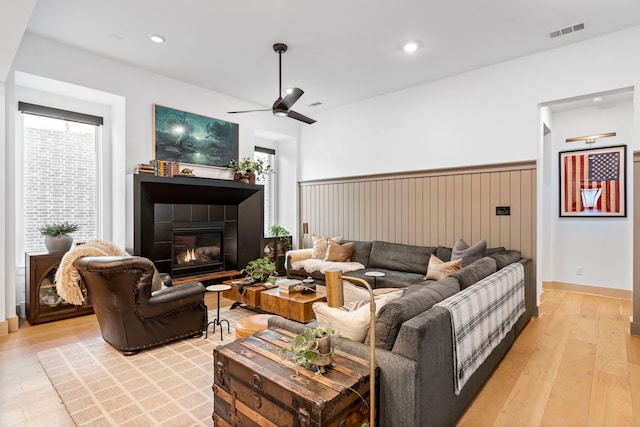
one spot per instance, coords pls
(60, 177)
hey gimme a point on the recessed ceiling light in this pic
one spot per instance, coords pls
(157, 38)
(116, 36)
(411, 47)
(597, 99)
(289, 91)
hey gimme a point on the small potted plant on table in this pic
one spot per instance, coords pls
(57, 238)
(260, 270)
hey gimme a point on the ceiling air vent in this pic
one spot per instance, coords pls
(566, 30)
(315, 104)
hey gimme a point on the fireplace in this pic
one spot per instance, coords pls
(197, 249)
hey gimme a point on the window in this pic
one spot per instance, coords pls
(269, 157)
(60, 172)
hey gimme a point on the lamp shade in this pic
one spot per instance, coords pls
(335, 293)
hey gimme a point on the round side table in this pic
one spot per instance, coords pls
(375, 275)
(217, 321)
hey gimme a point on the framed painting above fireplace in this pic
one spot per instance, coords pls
(179, 136)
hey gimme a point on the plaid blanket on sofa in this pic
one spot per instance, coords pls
(481, 316)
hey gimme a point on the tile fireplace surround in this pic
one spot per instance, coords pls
(164, 204)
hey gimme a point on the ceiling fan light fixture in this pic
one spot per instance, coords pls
(280, 113)
(157, 38)
(411, 47)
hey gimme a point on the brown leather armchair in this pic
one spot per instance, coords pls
(131, 316)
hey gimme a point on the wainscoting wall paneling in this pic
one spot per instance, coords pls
(427, 208)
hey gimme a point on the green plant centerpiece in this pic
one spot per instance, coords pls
(260, 270)
(313, 349)
(246, 170)
(57, 238)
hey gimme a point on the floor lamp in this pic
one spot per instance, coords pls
(335, 298)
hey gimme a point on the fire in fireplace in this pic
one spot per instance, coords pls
(197, 250)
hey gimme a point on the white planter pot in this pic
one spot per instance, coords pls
(60, 243)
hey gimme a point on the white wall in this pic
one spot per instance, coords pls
(602, 247)
(490, 115)
(140, 89)
(129, 94)
(485, 116)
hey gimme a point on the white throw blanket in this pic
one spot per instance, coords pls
(312, 265)
(68, 277)
(481, 316)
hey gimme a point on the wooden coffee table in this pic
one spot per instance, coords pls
(297, 306)
(250, 296)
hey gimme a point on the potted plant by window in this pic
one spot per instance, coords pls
(57, 238)
(246, 170)
(277, 244)
(313, 349)
(260, 270)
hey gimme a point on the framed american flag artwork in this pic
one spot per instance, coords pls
(593, 182)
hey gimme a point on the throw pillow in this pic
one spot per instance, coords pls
(461, 250)
(320, 246)
(353, 325)
(339, 253)
(439, 269)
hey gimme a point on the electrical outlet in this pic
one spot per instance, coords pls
(579, 270)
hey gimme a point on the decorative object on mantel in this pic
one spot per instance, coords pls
(590, 139)
(282, 106)
(57, 238)
(247, 170)
(593, 182)
(187, 172)
(179, 136)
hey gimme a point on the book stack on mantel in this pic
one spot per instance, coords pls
(144, 168)
(287, 286)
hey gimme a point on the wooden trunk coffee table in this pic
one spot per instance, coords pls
(253, 386)
(296, 306)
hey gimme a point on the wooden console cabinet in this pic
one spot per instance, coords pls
(42, 301)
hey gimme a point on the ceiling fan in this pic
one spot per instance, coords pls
(282, 106)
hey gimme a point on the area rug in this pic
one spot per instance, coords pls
(168, 385)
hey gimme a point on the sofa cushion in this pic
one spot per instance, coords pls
(395, 313)
(399, 257)
(439, 269)
(339, 253)
(321, 244)
(354, 323)
(505, 258)
(361, 251)
(391, 278)
(478, 270)
(444, 253)
(468, 254)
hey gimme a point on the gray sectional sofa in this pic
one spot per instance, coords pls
(414, 345)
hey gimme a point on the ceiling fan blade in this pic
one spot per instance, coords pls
(291, 98)
(247, 111)
(300, 117)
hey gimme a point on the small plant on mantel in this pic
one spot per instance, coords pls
(260, 270)
(247, 170)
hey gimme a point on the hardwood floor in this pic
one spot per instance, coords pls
(575, 365)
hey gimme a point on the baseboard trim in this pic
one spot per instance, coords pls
(14, 323)
(4, 328)
(586, 289)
